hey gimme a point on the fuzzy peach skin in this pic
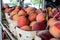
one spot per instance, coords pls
(22, 21)
(40, 17)
(15, 17)
(32, 17)
(22, 13)
(55, 30)
(51, 22)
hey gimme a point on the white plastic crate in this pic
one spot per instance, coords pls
(12, 28)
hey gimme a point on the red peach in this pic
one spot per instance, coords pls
(55, 30)
(22, 13)
(44, 35)
(39, 26)
(32, 17)
(51, 22)
(29, 10)
(26, 28)
(9, 10)
(40, 17)
(22, 21)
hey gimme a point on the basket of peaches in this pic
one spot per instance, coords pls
(26, 21)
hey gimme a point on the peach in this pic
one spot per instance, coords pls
(22, 13)
(16, 17)
(22, 21)
(5, 6)
(44, 35)
(13, 12)
(9, 10)
(26, 28)
(39, 26)
(17, 10)
(32, 17)
(51, 22)
(40, 17)
(32, 23)
(29, 10)
(55, 30)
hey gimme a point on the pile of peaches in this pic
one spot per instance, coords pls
(33, 19)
